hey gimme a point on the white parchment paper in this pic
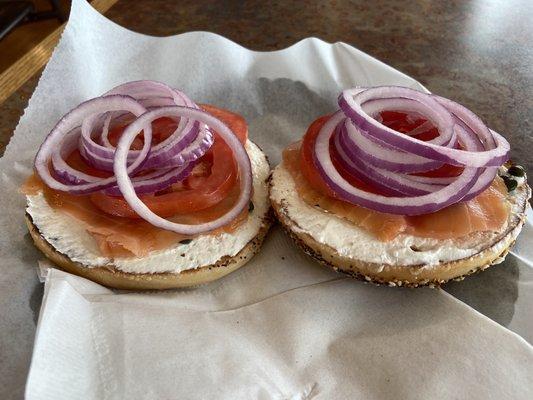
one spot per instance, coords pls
(279, 328)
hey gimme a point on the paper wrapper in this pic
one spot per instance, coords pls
(281, 327)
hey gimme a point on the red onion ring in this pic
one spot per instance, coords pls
(157, 94)
(126, 185)
(181, 154)
(148, 170)
(433, 115)
(62, 171)
(152, 182)
(393, 183)
(404, 184)
(352, 105)
(385, 158)
(379, 154)
(71, 121)
(174, 161)
(149, 94)
(423, 204)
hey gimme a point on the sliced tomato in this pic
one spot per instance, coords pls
(307, 163)
(234, 121)
(210, 182)
(310, 171)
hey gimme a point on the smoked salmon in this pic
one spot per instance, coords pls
(126, 237)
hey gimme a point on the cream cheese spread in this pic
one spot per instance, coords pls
(70, 238)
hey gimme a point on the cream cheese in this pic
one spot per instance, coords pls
(354, 242)
(70, 238)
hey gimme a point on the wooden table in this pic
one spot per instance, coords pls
(477, 52)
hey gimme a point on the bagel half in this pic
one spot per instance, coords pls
(62, 245)
(302, 222)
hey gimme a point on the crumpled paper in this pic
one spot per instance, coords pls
(328, 340)
(280, 328)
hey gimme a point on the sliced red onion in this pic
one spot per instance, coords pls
(150, 94)
(171, 161)
(382, 155)
(386, 158)
(182, 153)
(179, 157)
(105, 130)
(423, 204)
(95, 160)
(72, 120)
(156, 180)
(178, 140)
(136, 172)
(63, 172)
(146, 90)
(189, 142)
(433, 115)
(157, 94)
(192, 152)
(432, 180)
(474, 123)
(357, 169)
(483, 182)
(378, 154)
(398, 184)
(405, 184)
(126, 185)
(352, 105)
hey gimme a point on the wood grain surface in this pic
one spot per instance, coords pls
(22, 70)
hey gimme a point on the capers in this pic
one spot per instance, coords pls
(185, 241)
(516, 170)
(510, 183)
(251, 206)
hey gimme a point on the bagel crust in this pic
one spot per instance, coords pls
(401, 273)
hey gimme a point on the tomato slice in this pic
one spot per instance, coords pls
(307, 163)
(210, 182)
(310, 171)
(236, 123)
